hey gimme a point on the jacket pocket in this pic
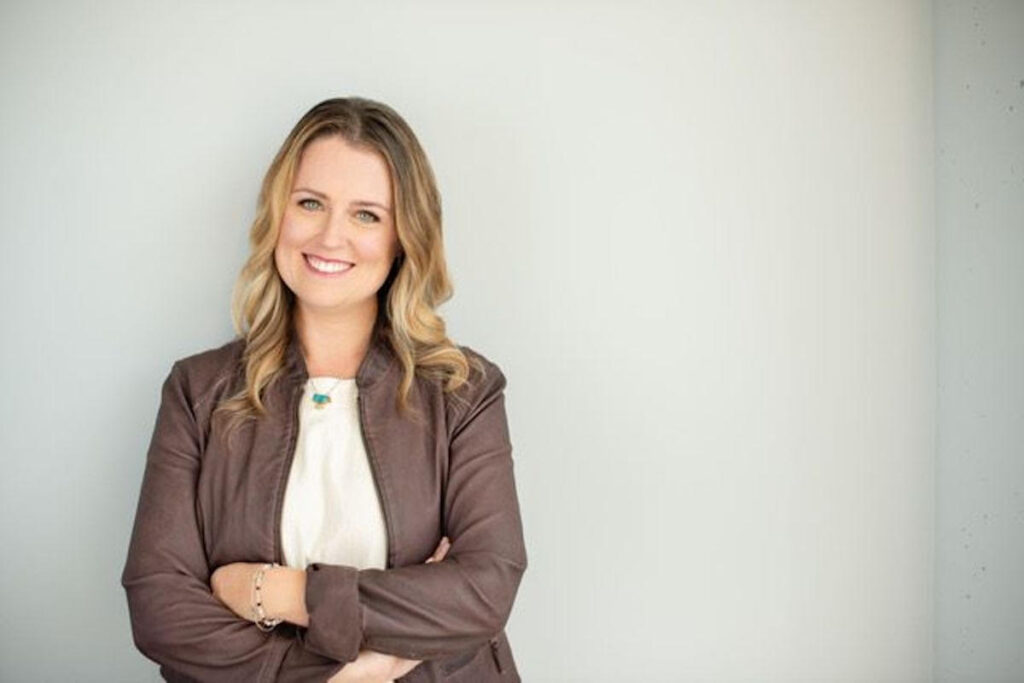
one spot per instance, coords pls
(501, 653)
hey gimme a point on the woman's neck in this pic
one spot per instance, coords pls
(334, 346)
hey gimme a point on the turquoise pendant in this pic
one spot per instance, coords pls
(321, 400)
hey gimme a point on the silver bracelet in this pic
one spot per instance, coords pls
(258, 613)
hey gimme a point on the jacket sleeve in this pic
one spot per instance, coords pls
(427, 611)
(176, 620)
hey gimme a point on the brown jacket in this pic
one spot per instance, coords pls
(205, 503)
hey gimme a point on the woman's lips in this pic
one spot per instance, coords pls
(326, 268)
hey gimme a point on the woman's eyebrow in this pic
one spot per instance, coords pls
(321, 195)
(379, 206)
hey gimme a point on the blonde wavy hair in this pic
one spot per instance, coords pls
(262, 305)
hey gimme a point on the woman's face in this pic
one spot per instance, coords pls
(339, 211)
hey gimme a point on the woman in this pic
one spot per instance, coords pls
(330, 495)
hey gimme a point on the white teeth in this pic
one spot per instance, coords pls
(325, 267)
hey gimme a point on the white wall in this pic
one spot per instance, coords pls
(979, 85)
(698, 237)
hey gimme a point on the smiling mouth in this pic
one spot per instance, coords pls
(323, 267)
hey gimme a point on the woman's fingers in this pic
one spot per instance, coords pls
(403, 666)
(441, 551)
(442, 548)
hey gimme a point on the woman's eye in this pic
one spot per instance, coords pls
(373, 216)
(302, 203)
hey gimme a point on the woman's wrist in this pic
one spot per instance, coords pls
(284, 595)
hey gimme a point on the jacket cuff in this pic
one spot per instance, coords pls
(335, 614)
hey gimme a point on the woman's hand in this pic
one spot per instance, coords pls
(440, 551)
(368, 667)
(282, 593)
(232, 585)
(376, 667)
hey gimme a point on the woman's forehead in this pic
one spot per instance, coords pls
(331, 165)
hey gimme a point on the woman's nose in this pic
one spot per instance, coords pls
(335, 229)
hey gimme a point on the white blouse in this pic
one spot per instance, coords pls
(332, 512)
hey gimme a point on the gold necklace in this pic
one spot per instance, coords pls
(321, 400)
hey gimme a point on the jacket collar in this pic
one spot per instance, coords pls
(375, 364)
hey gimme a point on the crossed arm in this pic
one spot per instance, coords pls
(413, 612)
(283, 593)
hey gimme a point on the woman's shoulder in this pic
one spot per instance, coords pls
(481, 366)
(485, 382)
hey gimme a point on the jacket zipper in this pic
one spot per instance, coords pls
(494, 653)
(377, 482)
